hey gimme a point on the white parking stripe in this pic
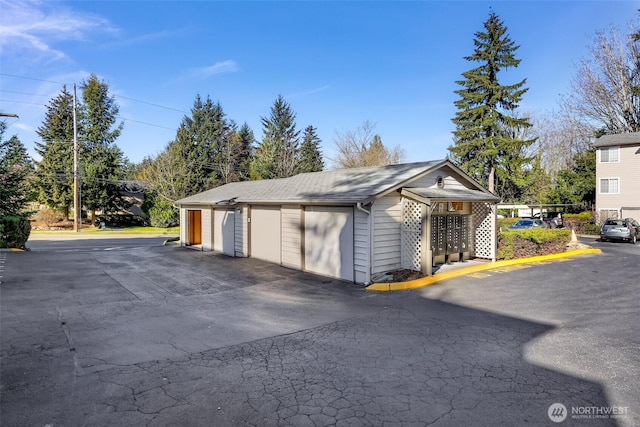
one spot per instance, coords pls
(2, 257)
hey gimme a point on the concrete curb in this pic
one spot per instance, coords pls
(426, 281)
(11, 250)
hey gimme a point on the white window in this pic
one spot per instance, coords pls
(610, 155)
(609, 186)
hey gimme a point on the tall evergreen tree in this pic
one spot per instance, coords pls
(206, 152)
(277, 154)
(54, 173)
(246, 149)
(15, 168)
(483, 142)
(577, 183)
(310, 155)
(200, 138)
(101, 159)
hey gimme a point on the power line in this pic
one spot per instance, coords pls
(33, 78)
(151, 103)
(145, 123)
(21, 102)
(117, 96)
(23, 93)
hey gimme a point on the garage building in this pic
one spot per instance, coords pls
(348, 224)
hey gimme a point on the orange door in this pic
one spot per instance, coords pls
(195, 227)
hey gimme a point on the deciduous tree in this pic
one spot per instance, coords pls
(605, 93)
(362, 148)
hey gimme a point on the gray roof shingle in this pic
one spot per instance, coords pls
(336, 186)
(629, 138)
(467, 195)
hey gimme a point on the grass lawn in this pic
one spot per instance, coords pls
(172, 231)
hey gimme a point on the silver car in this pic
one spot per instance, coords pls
(529, 223)
(620, 229)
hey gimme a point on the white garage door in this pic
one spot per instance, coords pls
(265, 233)
(328, 241)
(223, 231)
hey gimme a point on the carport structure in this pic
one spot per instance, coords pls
(348, 224)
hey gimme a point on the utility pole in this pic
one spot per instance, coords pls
(77, 207)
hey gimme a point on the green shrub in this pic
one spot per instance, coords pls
(582, 216)
(14, 231)
(581, 223)
(160, 212)
(532, 242)
(163, 214)
(590, 229)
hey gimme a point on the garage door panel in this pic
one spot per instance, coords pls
(265, 233)
(224, 231)
(329, 241)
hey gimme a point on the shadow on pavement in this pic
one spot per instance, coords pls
(173, 337)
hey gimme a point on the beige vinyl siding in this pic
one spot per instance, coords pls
(361, 246)
(242, 232)
(386, 215)
(291, 236)
(207, 230)
(451, 180)
(627, 170)
(183, 227)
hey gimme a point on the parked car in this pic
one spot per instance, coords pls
(529, 223)
(620, 229)
(554, 219)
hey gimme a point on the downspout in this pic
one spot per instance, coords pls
(368, 275)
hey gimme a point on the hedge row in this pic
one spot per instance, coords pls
(582, 223)
(14, 232)
(532, 242)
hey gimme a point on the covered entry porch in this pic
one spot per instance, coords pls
(443, 226)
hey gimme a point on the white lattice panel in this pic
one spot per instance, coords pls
(411, 234)
(484, 241)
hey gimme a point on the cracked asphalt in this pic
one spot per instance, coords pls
(165, 336)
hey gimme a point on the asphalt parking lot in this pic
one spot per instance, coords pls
(165, 336)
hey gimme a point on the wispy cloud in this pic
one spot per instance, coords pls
(147, 38)
(307, 92)
(24, 126)
(228, 66)
(32, 27)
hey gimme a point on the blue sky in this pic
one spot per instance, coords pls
(337, 63)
